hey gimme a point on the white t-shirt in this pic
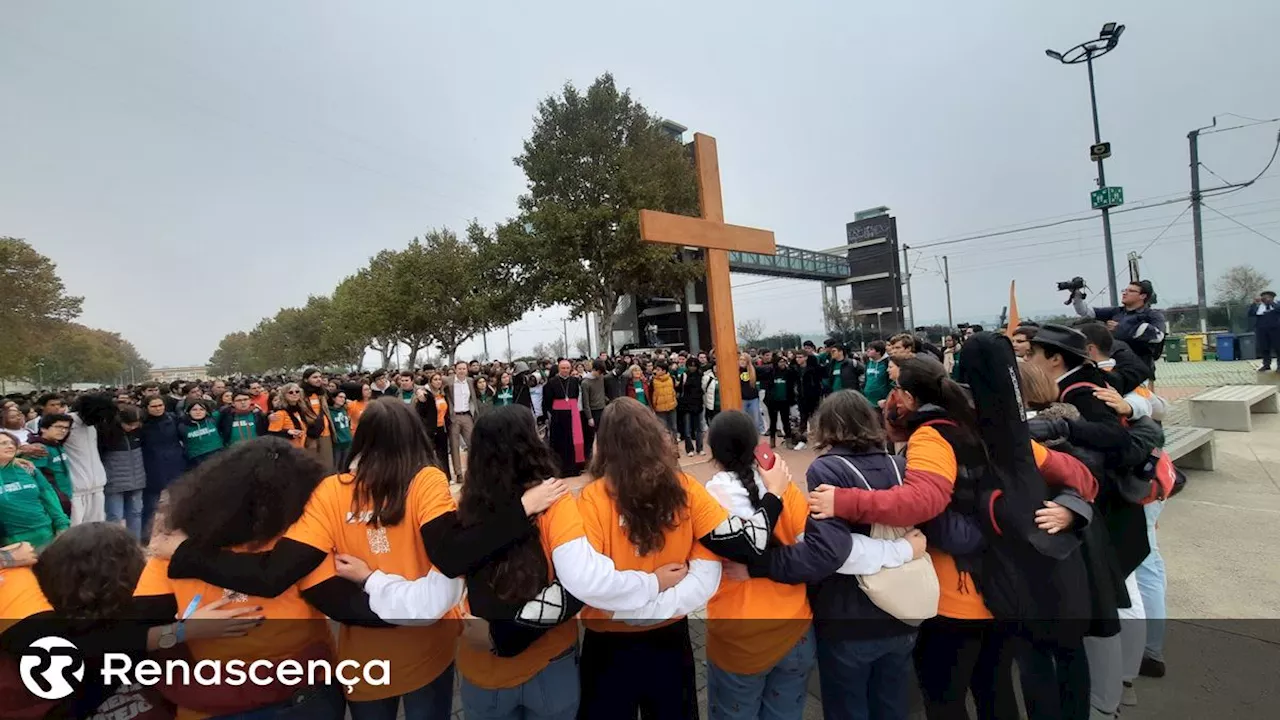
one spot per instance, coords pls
(21, 434)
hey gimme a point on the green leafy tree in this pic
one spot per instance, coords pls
(365, 305)
(76, 354)
(593, 161)
(235, 356)
(35, 303)
(472, 292)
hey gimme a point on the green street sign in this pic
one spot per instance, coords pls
(1107, 197)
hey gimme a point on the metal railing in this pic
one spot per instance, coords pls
(791, 262)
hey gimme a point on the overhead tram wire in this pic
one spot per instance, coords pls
(1237, 222)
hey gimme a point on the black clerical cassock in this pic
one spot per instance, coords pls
(561, 400)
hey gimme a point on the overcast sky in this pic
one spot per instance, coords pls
(193, 167)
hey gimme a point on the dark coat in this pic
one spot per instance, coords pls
(689, 391)
(163, 456)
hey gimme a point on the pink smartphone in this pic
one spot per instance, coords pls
(765, 456)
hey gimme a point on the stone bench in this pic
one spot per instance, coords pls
(1231, 407)
(1190, 447)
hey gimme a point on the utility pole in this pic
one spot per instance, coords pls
(586, 320)
(910, 308)
(566, 337)
(485, 336)
(1102, 182)
(1202, 308)
(509, 353)
(946, 278)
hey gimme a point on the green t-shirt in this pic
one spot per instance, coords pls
(29, 508)
(56, 463)
(243, 427)
(837, 382)
(202, 438)
(504, 397)
(341, 426)
(406, 396)
(876, 386)
(780, 388)
(639, 386)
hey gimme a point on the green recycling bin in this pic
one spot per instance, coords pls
(1173, 349)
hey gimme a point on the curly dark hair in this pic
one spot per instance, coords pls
(633, 454)
(732, 439)
(89, 572)
(391, 447)
(846, 419)
(507, 459)
(248, 494)
(96, 409)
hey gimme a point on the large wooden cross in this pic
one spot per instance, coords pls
(716, 238)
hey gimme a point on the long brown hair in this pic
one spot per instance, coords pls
(633, 455)
(391, 447)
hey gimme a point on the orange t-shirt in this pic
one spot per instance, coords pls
(557, 526)
(275, 641)
(442, 409)
(416, 654)
(752, 624)
(262, 402)
(355, 408)
(20, 596)
(958, 598)
(279, 421)
(608, 535)
(317, 407)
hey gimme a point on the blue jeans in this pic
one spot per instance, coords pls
(126, 506)
(865, 679)
(319, 703)
(751, 406)
(433, 701)
(668, 418)
(1151, 585)
(778, 693)
(552, 694)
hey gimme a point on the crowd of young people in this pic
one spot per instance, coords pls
(988, 541)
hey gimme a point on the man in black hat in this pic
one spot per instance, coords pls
(1134, 321)
(1063, 354)
(1264, 317)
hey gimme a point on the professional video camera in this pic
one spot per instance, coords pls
(1074, 285)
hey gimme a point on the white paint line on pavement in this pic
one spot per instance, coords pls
(1232, 507)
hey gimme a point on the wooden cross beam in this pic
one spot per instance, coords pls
(716, 238)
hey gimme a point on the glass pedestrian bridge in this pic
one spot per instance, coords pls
(791, 262)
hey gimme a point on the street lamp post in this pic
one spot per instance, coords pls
(1085, 52)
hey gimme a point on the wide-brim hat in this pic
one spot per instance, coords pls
(1272, 293)
(1061, 337)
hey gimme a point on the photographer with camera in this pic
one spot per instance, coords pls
(1135, 322)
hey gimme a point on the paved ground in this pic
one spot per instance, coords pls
(1223, 646)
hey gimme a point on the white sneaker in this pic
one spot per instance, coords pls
(1129, 696)
(800, 446)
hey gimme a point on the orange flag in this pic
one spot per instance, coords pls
(1013, 309)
